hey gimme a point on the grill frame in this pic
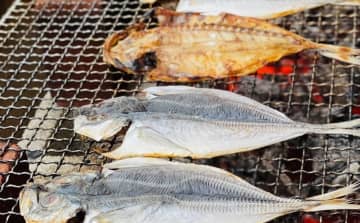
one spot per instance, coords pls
(48, 65)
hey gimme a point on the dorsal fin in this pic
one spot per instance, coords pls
(137, 162)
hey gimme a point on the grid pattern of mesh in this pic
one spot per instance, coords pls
(51, 62)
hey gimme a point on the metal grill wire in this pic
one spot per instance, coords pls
(51, 62)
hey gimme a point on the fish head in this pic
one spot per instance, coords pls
(39, 204)
(132, 50)
(105, 119)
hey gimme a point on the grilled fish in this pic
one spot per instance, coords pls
(180, 121)
(146, 190)
(189, 47)
(265, 9)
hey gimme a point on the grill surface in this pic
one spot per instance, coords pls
(51, 62)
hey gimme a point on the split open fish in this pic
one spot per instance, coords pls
(147, 190)
(180, 121)
(265, 9)
(188, 47)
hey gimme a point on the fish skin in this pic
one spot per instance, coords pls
(179, 121)
(190, 47)
(264, 9)
(146, 190)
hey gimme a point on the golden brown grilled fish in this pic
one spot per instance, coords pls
(190, 46)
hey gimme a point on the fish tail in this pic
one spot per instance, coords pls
(346, 125)
(342, 53)
(352, 132)
(340, 128)
(334, 201)
(347, 2)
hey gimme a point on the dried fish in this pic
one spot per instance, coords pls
(189, 47)
(180, 121)
(265, 9)
(146, 190)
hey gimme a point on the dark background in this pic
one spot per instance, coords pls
(4, 5)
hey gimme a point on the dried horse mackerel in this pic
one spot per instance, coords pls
(189, 47)
(180, 121)
(147, 190)
(266, 9)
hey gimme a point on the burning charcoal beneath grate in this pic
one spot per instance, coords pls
(14, 174)
(263, 88)
(9, 154)
(335, 157)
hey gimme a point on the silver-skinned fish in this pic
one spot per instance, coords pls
(180, 121)
(265, 9)
(149, 190)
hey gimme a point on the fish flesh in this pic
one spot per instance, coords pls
(181, 121)
(188, 47)
(149, 190)
(264, 9)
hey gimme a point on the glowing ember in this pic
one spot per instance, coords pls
(309, 219)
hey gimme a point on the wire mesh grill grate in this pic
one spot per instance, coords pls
(51, 62)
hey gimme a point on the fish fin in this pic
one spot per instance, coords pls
(314, 5)
(335, 131)
(336, 204)
(136, 213)
(337, 193)
(345, 125)
(344, 54)
(101, 130)
(332, 201)
(347, 2)
(168, 17)
(285, 13)
(152, 92)
(340, 128)
(144, 141)
(137, 162)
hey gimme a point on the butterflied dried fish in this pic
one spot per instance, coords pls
(190, 47)
(180, 121)
(145, 190)
(265, 9)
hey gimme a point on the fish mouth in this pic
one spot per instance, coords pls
(111, 41)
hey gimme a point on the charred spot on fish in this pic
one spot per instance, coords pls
(147, 62)
(78, 218)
